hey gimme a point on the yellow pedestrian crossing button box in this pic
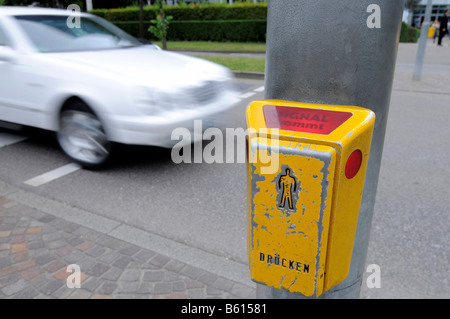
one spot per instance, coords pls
(306, 171)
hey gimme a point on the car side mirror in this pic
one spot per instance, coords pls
(6, 54)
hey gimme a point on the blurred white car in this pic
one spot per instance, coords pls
(95, 85)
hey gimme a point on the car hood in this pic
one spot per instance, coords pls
(145, 65)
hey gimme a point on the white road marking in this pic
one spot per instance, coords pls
(52, 175)
(251, 93)
(8, 139)
(247, 95)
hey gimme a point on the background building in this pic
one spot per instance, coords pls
(439, 7)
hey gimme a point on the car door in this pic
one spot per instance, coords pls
(7, 53)
(22, 83)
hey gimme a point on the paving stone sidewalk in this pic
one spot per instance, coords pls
(36, 248)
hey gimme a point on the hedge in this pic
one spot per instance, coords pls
(111, 3)
(238, 11)
(408, 33)
(214, 30)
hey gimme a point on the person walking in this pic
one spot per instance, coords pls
(436, 26)
(443, 28)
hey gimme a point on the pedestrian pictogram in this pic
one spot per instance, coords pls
(288, 186)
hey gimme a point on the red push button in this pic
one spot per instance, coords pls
(353, 164)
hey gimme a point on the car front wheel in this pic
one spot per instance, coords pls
(82, 138)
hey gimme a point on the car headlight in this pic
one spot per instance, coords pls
(153, 102)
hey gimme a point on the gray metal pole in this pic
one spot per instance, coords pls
(423, 41)
(89, 6)
(343, 53)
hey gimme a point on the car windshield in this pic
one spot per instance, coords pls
(53, 33)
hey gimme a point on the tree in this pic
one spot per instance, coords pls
(161, 24)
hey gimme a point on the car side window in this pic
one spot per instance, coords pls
(3, 39)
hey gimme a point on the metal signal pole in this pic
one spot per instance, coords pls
(340, 53)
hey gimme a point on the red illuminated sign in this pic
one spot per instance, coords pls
(303, 119)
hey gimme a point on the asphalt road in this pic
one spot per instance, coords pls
(204, 205)
(200, 205)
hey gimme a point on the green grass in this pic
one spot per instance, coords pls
(214, 46)
(238, 63)
(233, 63)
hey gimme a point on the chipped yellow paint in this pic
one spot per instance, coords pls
(294, 239)
(305, 245)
